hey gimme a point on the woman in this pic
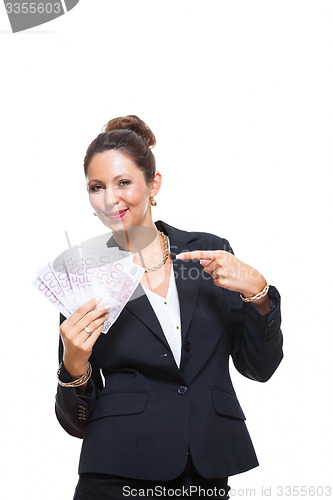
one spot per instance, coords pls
(166, 421)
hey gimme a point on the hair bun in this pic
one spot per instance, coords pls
(132, 122)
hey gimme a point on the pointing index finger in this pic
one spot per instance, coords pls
(197, 255)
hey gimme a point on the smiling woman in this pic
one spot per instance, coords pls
(121, 173)
(166, 415)
(118, 191)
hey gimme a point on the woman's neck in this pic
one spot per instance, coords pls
(136, 238)
(152, 254)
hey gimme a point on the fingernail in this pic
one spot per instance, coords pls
(180, 256)
(98, 299)
(205, 262)
(107, 306)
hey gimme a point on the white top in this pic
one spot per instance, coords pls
(167, 311)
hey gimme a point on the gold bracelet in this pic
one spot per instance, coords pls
(258, 296)
(79, 381)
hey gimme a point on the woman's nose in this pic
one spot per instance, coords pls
(111, 197)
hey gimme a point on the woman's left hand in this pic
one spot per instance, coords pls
(227, 271)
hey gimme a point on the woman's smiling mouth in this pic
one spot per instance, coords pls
(117, 215)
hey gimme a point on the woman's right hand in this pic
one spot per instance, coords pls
(78, 343)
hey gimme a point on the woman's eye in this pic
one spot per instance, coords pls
(124, 183)
(93, 189)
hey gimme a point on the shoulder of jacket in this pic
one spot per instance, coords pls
(212, 238)
(214, 241)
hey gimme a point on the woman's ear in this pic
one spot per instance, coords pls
(155, 184)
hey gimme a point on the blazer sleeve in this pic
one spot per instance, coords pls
(73, 410)
(256, 339)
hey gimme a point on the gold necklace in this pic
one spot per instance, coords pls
(165, 256)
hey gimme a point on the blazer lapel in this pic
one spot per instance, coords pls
(140, 306)
(187, 273)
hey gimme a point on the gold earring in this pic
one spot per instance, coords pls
(153, 202)
(94, 213)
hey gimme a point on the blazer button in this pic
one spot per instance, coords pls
(187, 346)
(271, 323)
(182, 390)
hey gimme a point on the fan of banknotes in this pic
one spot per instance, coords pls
(86, 271)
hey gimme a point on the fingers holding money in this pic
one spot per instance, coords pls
(82, 317)
(92, 319)
(77, 339)
(83, 310)
(91, 329)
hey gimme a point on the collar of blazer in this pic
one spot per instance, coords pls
(187, 275)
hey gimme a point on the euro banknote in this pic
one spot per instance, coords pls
(82, 273)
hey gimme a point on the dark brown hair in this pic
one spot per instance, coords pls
(132, 137)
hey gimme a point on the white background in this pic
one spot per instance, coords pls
(239, 95)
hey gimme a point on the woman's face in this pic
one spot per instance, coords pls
(118, 191)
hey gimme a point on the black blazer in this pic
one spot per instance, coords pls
(151, 413)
